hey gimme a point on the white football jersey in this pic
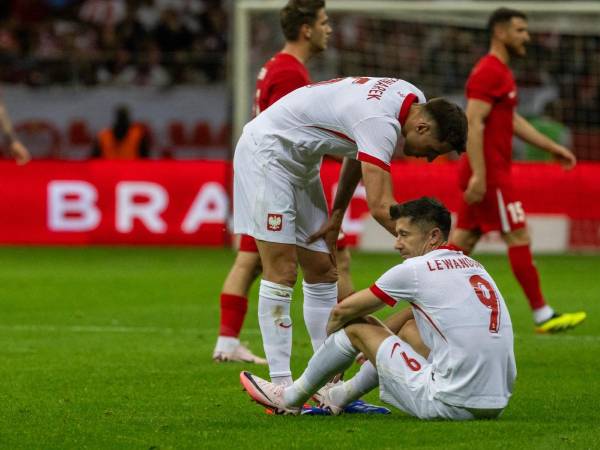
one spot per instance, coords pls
(356, 117)
(463, 319)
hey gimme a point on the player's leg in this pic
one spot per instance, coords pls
(265, 208)
(467, 231)
(343, 260)
(234, 304)
(274, 299)
(464, 239)
(526, 273)
(334, 356)
(320, 292)
(320, 275)
(404, 326)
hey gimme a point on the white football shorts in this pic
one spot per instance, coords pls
(268, 206)
(405, 382)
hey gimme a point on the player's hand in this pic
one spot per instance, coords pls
(19, 153)
(475, 190)
(565, 157)
(329, 231)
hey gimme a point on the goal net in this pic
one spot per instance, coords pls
(434, 45)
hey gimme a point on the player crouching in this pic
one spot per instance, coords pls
(449, 356)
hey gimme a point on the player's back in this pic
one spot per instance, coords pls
(280, 75)
(336, 117)
(463, 319)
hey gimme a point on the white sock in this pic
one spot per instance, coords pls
(226, 344)
(542, 314)
(364, 381)
(276, 326)
(334, 356)
(285, 381)
(319, 300)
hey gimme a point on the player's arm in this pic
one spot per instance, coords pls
(359, 304)
(528, 133)
(349, 178)
(380, 194)
(17, 150)
(477, 112)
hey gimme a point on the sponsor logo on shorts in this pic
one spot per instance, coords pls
(274, 222)
(394, 347)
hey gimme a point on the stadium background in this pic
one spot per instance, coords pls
(109, 346)
(67, 64)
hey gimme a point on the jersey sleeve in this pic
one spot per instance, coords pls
(484, 84)
(285, 82)
(376, 139)
(398, 283)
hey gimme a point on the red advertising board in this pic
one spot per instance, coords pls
(188, 202)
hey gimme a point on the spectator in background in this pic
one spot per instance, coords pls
(125, 140)
(103, 12)
(15, 148)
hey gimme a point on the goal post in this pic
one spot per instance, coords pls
(434, 44)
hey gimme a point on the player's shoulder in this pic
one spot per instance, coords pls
(284, 61)
(489, 65)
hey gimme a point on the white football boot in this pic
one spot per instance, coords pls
(239, 353)
(266, 394)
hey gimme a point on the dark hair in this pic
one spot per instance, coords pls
(451, 123)
(427, 212)
(297, 13)
(503, 15)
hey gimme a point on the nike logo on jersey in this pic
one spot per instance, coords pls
(512, 94)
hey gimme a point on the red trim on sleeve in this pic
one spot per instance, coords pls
(406, 104)
(365, 157)
(385, 298)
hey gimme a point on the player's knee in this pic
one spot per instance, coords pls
(320, 272)
(284, 273)
(248, 262)
(407, 329)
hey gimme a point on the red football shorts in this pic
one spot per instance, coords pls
(500, 210)
(342, 241)
(248, 244)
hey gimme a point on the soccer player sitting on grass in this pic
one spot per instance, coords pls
(449, 356)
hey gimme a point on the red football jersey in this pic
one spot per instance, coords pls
(492, 81)
(282, 74)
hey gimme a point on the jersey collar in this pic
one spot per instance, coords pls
(451, 247)
(406, 104)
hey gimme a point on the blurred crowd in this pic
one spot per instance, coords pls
(92, 42)
(164, 43)
(562, 69)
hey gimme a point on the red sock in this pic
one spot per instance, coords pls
(527, 275)
(233, 312)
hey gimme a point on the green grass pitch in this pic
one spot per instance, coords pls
(110, 348)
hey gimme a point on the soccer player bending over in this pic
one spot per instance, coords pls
(449, 356)
(278, 194)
